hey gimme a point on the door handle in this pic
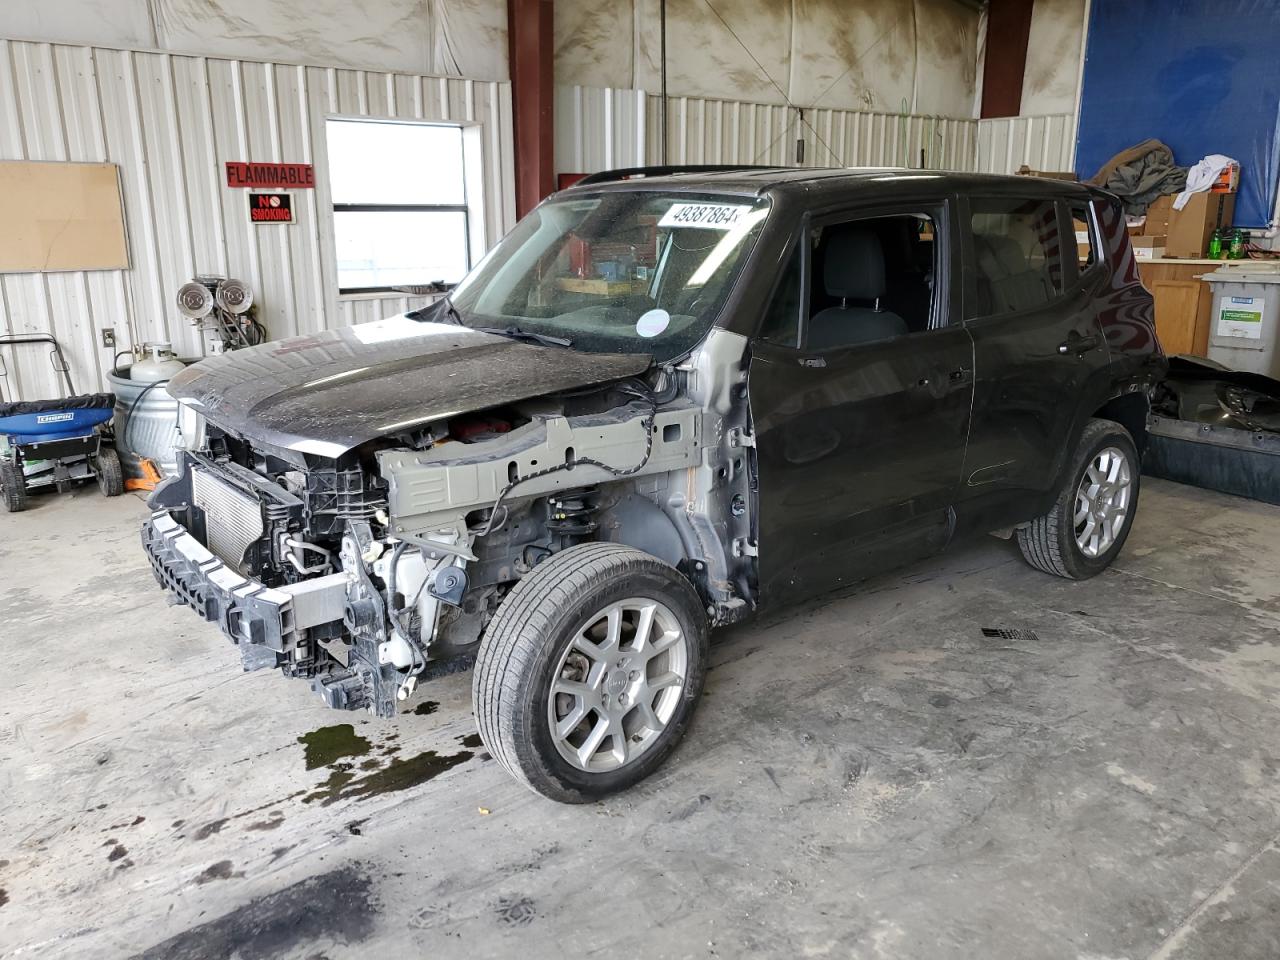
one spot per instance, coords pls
(1078, 345)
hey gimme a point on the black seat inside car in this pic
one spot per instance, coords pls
(853, 270)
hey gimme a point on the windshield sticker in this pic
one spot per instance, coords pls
(705, 216)
(653, 323)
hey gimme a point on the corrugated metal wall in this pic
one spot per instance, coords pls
(598, 128)
(1042, 143)
(171, 122)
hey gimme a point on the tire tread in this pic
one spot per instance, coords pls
(1045, 540)
(516, 636)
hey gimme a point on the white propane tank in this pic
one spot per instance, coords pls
(161, 365)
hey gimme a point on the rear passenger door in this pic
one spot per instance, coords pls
(1029, 307)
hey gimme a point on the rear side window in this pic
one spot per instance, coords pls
(1018, 256)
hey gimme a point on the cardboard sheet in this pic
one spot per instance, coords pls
(61, 216)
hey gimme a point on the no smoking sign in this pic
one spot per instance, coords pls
(270, 208)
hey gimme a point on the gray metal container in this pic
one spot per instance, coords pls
(146, 423)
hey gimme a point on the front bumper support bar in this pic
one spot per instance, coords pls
(265, 622)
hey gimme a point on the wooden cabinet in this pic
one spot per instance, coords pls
(1183, 302)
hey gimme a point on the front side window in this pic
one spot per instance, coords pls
(399, 203)
(1017, 249)
(871, 279)
(625, 271)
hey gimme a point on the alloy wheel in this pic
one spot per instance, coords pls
(618, 684)
(1102, 501)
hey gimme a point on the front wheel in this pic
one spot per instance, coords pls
(589, 673)
(1093, 514)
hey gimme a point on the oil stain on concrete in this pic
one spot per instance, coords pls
(397, 775)
(339, 748)
(328, 745)
(335, 906)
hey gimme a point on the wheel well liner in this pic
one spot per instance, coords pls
(1130, 411)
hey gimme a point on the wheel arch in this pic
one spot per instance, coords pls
(1130, 411)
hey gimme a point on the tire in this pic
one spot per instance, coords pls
(1053, 542)
(14, 486)
(540, 636)
(108, 471)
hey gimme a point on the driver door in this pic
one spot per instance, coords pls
(860, 389)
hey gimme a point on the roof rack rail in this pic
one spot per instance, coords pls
(639, 173)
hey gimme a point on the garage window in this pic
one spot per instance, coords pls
(399, 204)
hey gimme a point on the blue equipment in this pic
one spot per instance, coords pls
(55, 442)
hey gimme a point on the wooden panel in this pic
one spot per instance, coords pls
(1177, 307)
(61, 216)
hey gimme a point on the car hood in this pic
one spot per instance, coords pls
(329, 392)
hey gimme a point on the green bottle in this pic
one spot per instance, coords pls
(1236, 251)
(1215, 245)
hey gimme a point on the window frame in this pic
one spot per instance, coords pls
(466, 207)
(1083, 271)
(794, 249)
(1070, 273)
(942, 306)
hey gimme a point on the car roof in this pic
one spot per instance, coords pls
(812, 183)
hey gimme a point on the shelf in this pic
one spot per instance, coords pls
(604, 288)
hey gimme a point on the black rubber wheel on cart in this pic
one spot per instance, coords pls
(14, 486)
(108, 471)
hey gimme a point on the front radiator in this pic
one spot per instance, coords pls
(232, 519)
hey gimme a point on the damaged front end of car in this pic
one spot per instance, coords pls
(373, 570)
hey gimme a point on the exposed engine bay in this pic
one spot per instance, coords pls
(373, 571)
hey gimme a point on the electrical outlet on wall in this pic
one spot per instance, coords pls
(109, 337)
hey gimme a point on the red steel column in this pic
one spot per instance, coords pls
(1008, 28)
(532, 47)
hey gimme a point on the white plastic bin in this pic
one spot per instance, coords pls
(1244, 332)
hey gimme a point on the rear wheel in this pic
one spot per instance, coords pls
(1094, 511)
(107, 469)
(13, 485)
(589, 673)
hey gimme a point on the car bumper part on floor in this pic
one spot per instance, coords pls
(264, 621)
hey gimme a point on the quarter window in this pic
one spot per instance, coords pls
(399, 203)
(1086, 248)
(782, 320)
(1017, 248)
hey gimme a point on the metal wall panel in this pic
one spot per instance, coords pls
(598, 128)
(170, 122)
(1042, 143)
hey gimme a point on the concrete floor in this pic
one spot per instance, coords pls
(871, 778)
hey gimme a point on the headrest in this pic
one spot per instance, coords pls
(854, 265)
(999, 255)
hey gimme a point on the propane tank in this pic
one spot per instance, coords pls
(161, 365)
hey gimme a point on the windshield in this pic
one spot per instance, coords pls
(616, 272)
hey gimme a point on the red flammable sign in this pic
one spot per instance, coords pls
(269, 176)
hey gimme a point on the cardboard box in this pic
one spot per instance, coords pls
(1148, 248)
(1026, 171)
(1191, 227)
(1157, 223)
